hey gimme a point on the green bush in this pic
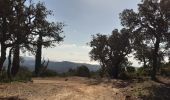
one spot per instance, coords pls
(124, 76)
(82, 71)
(24, 74)
(130, 69)
(143, 71)
(165, 71)
(49, 73)
(95, 74)
(71, 72)
(3, 75)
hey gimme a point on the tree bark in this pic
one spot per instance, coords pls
(155, 60)
(2, 40)
(38, 56)
(144, 62)
(116, 72)
(3, 56)
(16, 61)
(9, 65)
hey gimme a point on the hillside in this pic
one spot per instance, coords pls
(59, 67)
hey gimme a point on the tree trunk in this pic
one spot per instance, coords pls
(16, 61)
(144, 62)
(103, 69)
(2, 40)
(38, 56)
(116, 71)
(9, 65)
(3, 56)
(155, 59)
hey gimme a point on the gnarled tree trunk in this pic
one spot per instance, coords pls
(155, 60)
(9, 65)
(3, 56)
(2, 40)
(16, 61)
(38, 56)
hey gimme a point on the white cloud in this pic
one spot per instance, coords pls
(67, 46)
(69, 52)
(75, 53)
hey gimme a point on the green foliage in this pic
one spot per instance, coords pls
(150, 30)
(111, 51)
(72, 72)
(49, 73)
(24, 26)
(95, 74)
(165, 70)
(124, 76)
(130, 69)
(82, 71)
(47, 33)
(142, 71)
(3, 76)
(127, 73)
(24, 74)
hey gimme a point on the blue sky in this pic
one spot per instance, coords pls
(83, 19)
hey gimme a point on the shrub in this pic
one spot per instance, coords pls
(95, 74)
(124, 76)
(3, 75)
(143, 71)
(71, 72)
(82, 71)
(49, 73)
(130, 69)
(165, 71)
(24, 74)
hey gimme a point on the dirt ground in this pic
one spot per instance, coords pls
(72, 88)
(78, 88)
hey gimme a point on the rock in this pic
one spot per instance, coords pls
(66, 79)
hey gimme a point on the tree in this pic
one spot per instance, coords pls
(142, 53)
(83, 71)
(47, 33)
(24, 27)
(15, 30)
(99, 51)
(111, 51)
(150, 22)
(119, 47)
(5, 14)
(21, 25)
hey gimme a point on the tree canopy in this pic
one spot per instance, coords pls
(24, 27)
(149, 27)
(111, 51)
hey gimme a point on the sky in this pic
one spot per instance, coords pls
(83, 18)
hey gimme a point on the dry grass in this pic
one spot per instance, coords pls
(77, 88)
(72, 88)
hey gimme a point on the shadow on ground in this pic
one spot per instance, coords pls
(158, 92)
(11, 98)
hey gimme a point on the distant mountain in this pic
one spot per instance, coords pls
(59, 67)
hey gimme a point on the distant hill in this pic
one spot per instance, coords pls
(59, 67)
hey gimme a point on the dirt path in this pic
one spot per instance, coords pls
(73, 88)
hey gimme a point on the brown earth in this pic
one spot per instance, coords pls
(72, 88)
(78, 88)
